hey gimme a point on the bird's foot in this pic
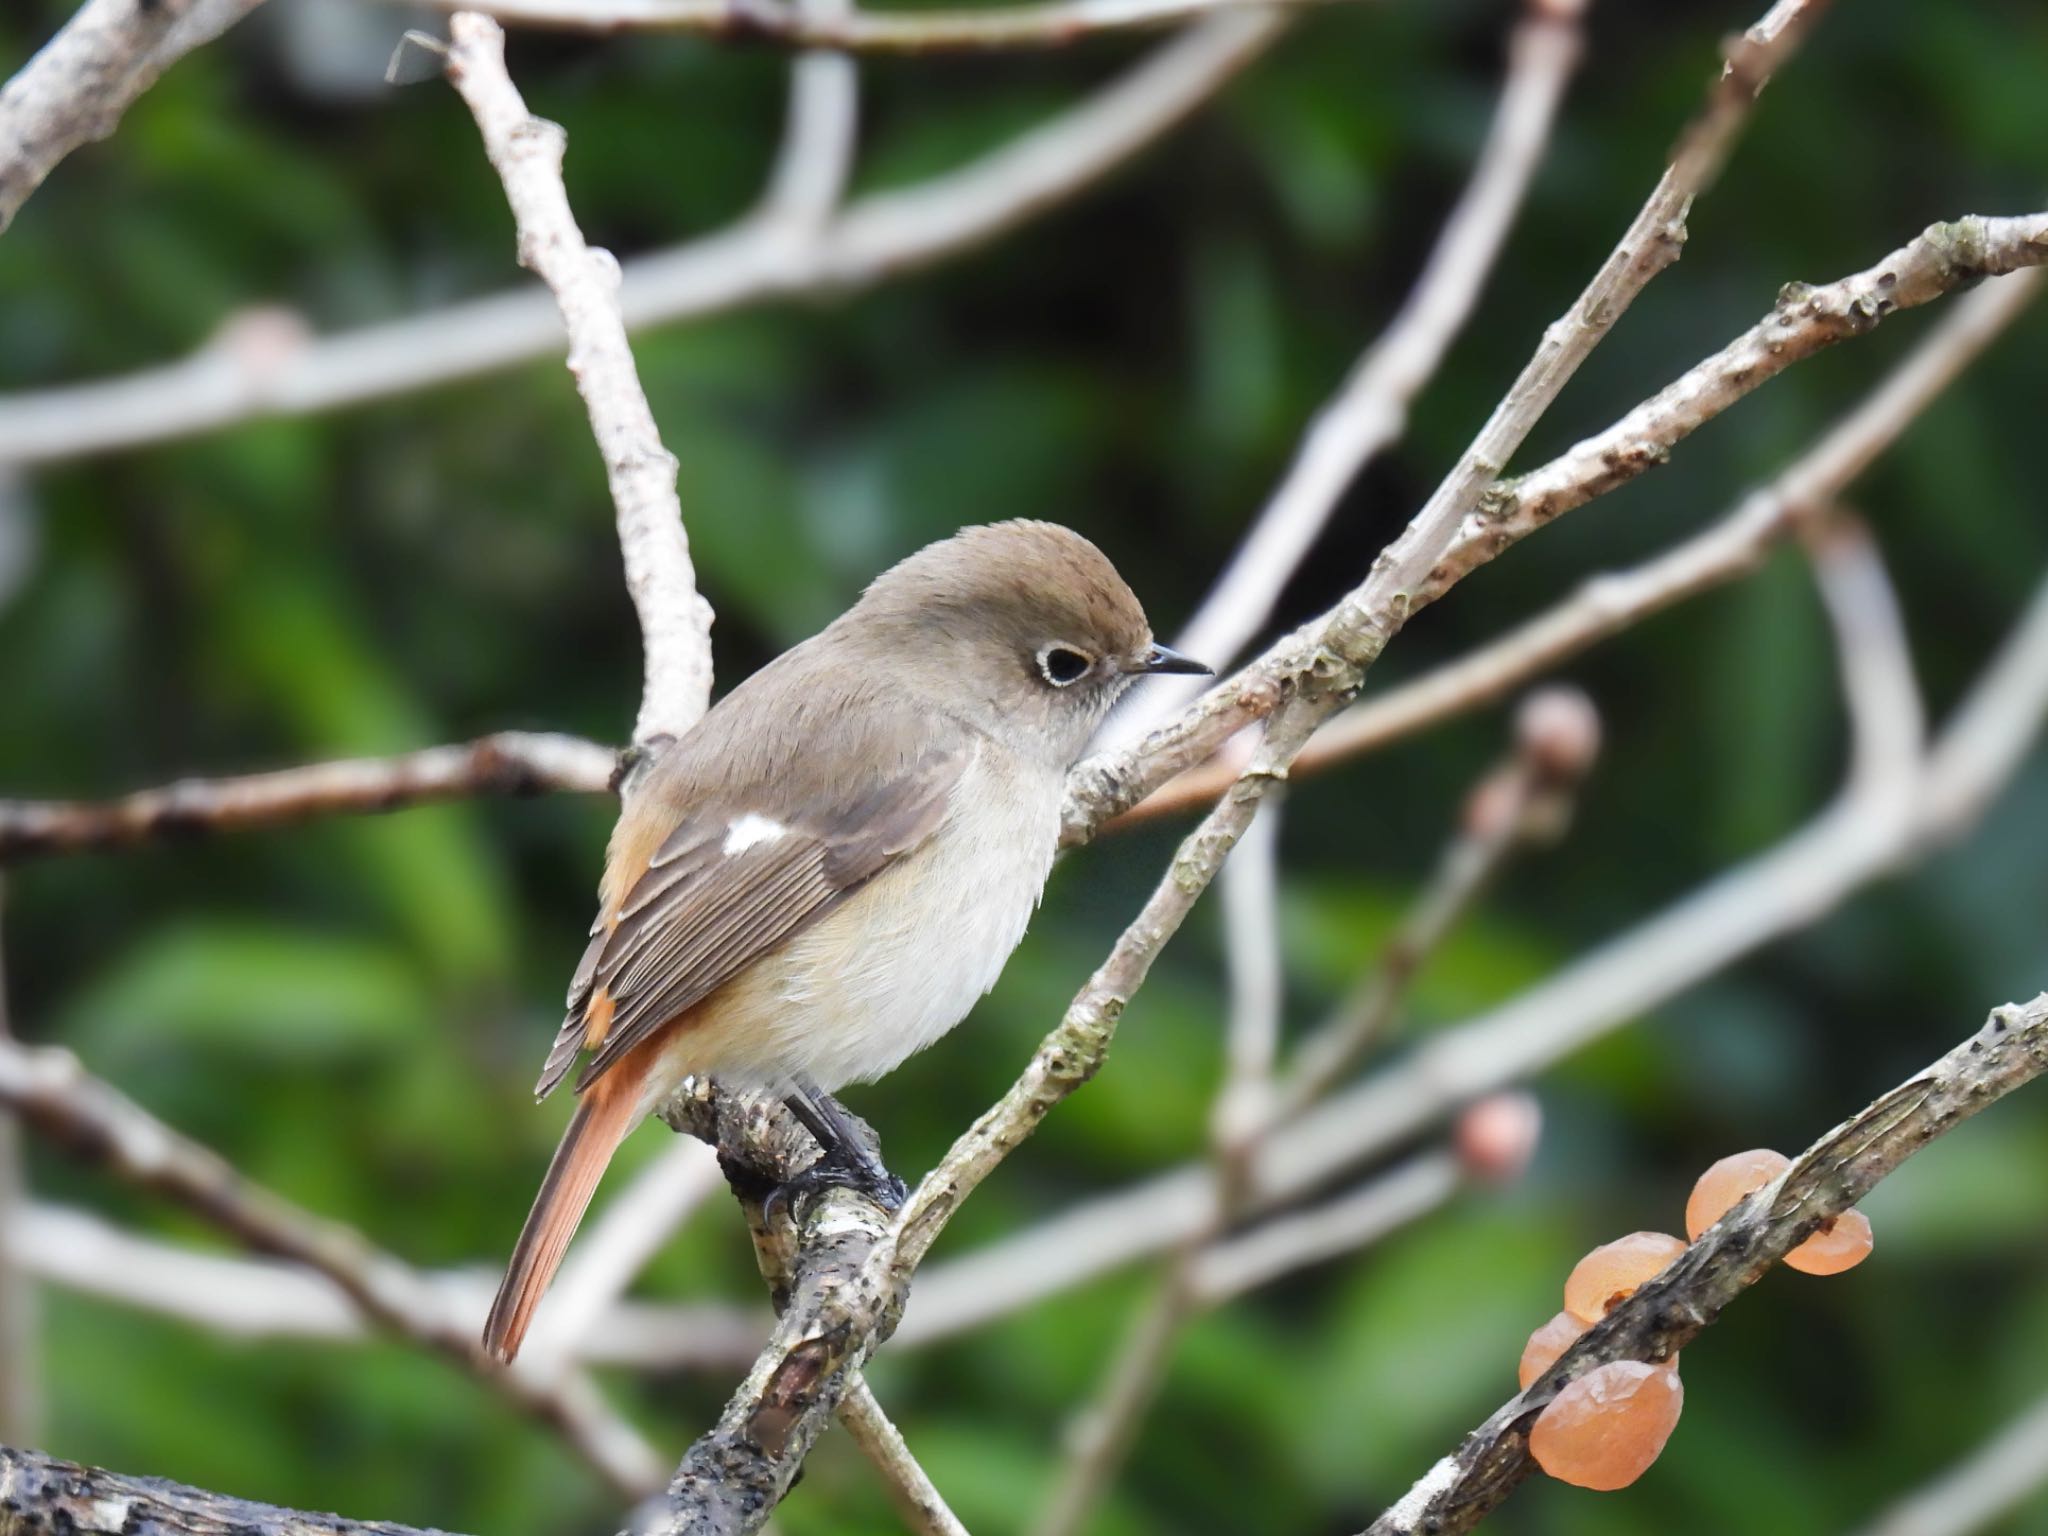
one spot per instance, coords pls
(839, 1167)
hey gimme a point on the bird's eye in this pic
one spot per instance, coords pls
(1062, 665)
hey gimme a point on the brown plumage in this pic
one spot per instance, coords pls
(822, 876)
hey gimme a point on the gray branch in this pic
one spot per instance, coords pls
(42, 1496)
(74, 91)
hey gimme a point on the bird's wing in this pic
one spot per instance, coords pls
(728, 886)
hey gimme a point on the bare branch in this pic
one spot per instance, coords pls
(526, 152)
(1669, 1312)
(247, 1298)
(74, 91)
(878, 237)
(1887, 722)
(818, 137)
(1317, 1234)
(831, 1314)
(1987, 1485)
(1047, 24)
(1804, 321)
(804, 1371)
(1860, 838)
(1100, 1434)
(20, 1352)
(1333, 652)
(53, 1095)
(1523, 801)
(920, 1504)
(519, 763)
(1369, 412)
(508, 763)
(1991, 732)
(1608, 604)
(42, 1496)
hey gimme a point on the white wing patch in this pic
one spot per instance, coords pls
(752, 831)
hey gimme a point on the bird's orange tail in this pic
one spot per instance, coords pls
(602, 1119)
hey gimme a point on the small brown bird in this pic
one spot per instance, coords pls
(822, 876)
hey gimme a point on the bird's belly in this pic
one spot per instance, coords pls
(898, 964)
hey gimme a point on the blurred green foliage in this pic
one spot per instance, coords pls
(351, 1011)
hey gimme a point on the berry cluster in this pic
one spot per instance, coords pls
(1604, 1429)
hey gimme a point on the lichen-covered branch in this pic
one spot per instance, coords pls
(1669, 1312)
(526, 152)
(42, 1496)
(830, 1315)
(75, 89)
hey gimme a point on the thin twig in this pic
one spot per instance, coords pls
(1328, 657)
(526, 151)
(1990, 1483)
(53, 1095)
(819, 134)
(1805, 320)
(1525, 800)
(20, 1356)
(918, 1501)
(1609, 604)
(1853, 842)
(522, 763)
(1369, 412)
(875, 238)
(258, 1298)
(1669, 1312)
(508, 763)
(75, 89)
(1100, 1434)
(1047, 24)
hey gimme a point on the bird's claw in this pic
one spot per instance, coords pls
(837, 1168)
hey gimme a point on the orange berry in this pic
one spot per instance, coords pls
(1546, 1344)
(1842, 1243)
(1730, 1180)
(1609, 1275)
(1603, 1430)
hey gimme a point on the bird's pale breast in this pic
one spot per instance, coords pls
(902, 960)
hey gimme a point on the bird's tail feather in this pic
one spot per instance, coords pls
(602, 1119)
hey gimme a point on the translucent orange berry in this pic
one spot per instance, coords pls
(1605, 1429)
(1730, 1180)
(1546, 1344)
(1843, 1243)
(1609, 1275)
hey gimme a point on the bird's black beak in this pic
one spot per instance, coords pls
(1161, 659)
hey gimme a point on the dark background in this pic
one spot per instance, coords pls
(353, 1011)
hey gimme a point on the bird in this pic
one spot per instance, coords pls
(823, 875)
